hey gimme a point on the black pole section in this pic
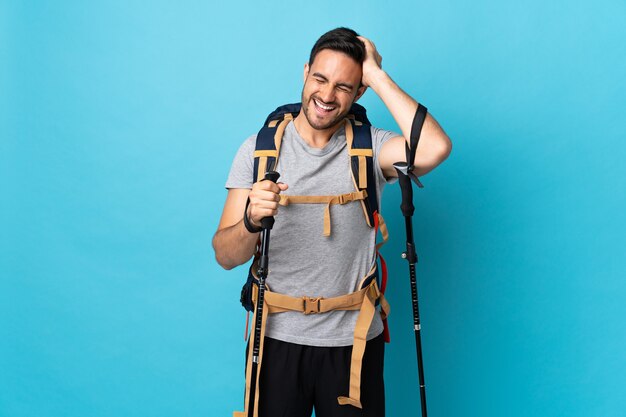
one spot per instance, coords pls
(410, 255)
(266, 224)
(405, 176)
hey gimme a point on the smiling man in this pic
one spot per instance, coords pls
(312, 355)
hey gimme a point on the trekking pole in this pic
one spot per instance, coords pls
(405, 176)
(266, 224)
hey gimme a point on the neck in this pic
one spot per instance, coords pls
(315, 138)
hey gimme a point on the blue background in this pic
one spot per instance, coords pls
(119, 121)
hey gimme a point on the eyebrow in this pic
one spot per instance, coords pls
(318, 75)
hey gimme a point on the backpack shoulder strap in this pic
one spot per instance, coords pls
(269, 138)
(359, 143)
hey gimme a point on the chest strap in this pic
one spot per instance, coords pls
(363, 300)
(329, 200)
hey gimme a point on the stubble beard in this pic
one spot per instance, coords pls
(311, 118)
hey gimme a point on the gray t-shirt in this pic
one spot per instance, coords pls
(301, 260)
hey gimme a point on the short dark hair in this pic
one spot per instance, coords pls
(343, 40)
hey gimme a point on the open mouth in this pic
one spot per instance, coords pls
(323, 108)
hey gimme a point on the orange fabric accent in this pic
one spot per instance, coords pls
(384, 232)
(379, 222)
(329, 200)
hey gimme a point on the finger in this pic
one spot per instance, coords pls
(282, 186)
(258, 214)
(258, 198)
(267, 196)
(266, 186)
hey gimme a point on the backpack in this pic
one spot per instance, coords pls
(372, 288)
(267, 152)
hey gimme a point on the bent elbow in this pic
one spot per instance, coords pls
(446, 148)
(223, 263)
(219, 255)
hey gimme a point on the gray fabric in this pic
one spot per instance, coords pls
(302, 261)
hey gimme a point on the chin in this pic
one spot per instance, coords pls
(321, 125)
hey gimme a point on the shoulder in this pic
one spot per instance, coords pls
(246, 149)
(380, 136)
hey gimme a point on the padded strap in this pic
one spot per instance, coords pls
(267, 149)
(268, 158)
(359, 144)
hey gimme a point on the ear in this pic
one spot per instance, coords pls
(359, 92)
(306, 70)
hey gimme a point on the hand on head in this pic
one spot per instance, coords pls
(373, 61)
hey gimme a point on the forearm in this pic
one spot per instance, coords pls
(234, 245)
(401, 106)
(434, 144)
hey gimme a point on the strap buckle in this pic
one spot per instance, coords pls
(311, 305)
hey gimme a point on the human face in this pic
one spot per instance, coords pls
(331, 85)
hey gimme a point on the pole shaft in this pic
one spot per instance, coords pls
(266, 223)
(418, 338)
(410, 255)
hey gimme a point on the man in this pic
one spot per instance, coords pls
(306, 359)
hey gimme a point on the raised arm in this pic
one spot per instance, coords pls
(434, 145)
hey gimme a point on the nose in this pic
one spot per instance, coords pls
(327, 93)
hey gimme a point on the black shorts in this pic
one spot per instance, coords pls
(296, 379)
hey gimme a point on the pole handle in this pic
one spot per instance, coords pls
(406, 188)
(268, 222)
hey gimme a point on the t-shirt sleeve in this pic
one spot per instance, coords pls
(379, 137)
(240, 175)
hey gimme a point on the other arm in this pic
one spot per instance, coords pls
(233, 243)
(434, 145)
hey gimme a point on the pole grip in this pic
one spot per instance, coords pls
(268, 222)
(407, 193)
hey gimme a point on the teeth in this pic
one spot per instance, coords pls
(320, 105)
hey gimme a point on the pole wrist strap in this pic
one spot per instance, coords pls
(246, 221)
(416, 130)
